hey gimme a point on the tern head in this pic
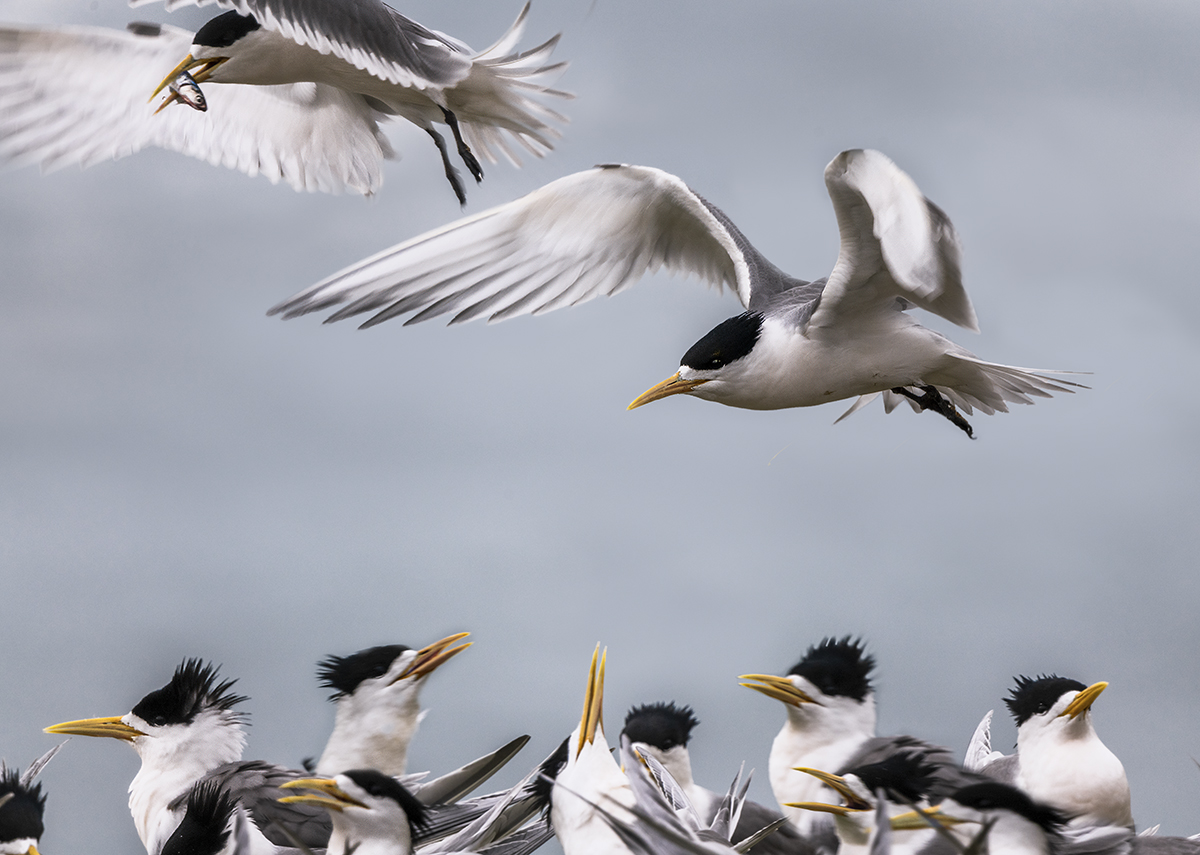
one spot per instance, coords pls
(714, 366)
(204, 829)
(905, 777)
(663, 730)
(367, 807)
(192, 714)
(230, 36)
(830, 685)
(1050, 703)
(21, 808)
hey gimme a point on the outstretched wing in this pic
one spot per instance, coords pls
(895, 244)
(78, 95)
(589, 234)
(365, 33)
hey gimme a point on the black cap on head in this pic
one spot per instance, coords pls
(205, 826)
(662, 725)
(344, 673)
(1035, 695)
(386, 787)
(192, 690)
(728, 341)
(838, 667)
(21, 815)
(224, 30)
(904, 776)
(992, 795)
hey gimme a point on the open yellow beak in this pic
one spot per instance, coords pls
(206, 68)
(838, 784)
(913, 821)
(334, 798)
(430, 658)
(111, 726)
(779, 688)
(1084, 700)
(593, 702)
(673, 385)
(840, 810)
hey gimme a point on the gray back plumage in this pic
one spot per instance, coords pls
(1003, 769)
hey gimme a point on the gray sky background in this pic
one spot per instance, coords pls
(182, 476)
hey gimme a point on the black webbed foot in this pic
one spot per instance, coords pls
(934, 400)
(451, 172)
(464, 150)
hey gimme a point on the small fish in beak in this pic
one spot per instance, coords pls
(186, 90)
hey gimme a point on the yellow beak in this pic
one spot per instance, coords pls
(593, 702)
(913, 821)
(335, 797)
(779, 688)
(111, 726)
(673, 385)
(1084, 700)
(838, 784)
(841, 810)
(207, 66)
(430, 658)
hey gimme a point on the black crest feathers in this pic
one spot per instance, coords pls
(205, 826)
(1035, 695)
(727, 342)
(343, 674)
(386, 787)
(193, 689)
(992, 795)
(838, 667)
(662, 725)
(20, 815)
(224, 30)
(904, 777)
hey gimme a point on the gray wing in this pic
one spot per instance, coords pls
(524, 841)
(256, 786)
(979, 749)
(589, 234)
(785, 840)
(36, 767)
(1004, 769)
(895, 243)
(454, 785)
(1156, 845)
(75, 96)
(365, 33)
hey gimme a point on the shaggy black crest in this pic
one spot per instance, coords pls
(192, 690)
(662, 725)
(992, 795)
(904, 777)
(727, 342)
(224, 30)
(838, 667)
(21, 815)
(344, 673)
(386, 787)
(548, 772)
(1035, 695)
(204, 829)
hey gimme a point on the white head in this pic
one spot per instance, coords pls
(372, 813)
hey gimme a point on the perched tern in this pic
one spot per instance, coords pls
(663, 730)
(798, 343)
(306, 86)
(22, 805)
(1060, 760)
(372, 813)
(377, 692)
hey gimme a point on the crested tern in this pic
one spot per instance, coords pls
(663, 731)
(372, 813)
(1060, 760)
(798, 343)
(377, 693)
(306, 86)
(22, 807)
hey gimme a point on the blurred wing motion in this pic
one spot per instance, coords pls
(589, 234)
(77, 96)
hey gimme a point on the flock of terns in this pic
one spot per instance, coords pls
(840, 787)
(297, 90)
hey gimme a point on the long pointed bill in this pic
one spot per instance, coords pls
(111, 726)
(334, 798)
(205, 66)
(838, 784)
(32, 850)
(913, 821)
(779, 688)
(430, 658)
(1084, 700)
(593, 702)
(840, 810)
(673, 385)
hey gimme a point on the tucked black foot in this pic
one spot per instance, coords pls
(464, 150)
(934, 400)
(451, 172)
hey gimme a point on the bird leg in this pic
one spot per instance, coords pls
(451, 172)
(464, 150)
(934, 400)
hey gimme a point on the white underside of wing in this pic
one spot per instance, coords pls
(79, 96)
(894, 243)
(588, 234)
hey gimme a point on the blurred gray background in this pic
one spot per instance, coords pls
(182, 476)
